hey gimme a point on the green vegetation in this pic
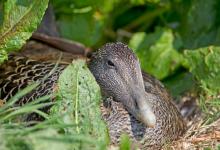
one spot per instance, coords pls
(156, 52)
(176, 40)
(20, 19)
(204, 63)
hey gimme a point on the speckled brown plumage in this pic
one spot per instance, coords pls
(19, 72)
(168, 128)
(122, 65)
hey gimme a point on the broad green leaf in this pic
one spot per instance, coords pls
(179, 83)
(20, 19)
(84, 28)
(80, 20)
(79, 103)
(201, 26)
(156, 52)
(204, 64)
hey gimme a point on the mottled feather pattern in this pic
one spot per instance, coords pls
(19, 72)
(169, 125)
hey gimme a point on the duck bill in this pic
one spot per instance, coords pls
(142, 109)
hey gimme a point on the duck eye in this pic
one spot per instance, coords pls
(110, 63)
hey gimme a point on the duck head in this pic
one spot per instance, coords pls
(117, 71)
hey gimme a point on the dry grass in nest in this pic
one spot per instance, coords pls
(199, 134)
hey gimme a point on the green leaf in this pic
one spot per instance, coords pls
(156, 52)
(204, 64)
(80, 20)
(83, 28)
(20, 19)
(179, 83)
(79, 103)
(125, 143)
(201, 26)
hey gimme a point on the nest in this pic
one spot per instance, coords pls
(199, 134)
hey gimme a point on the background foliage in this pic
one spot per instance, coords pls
(159, 31)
